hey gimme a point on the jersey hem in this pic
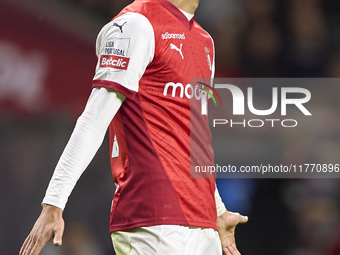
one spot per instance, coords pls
(115, 86)
(124, 227)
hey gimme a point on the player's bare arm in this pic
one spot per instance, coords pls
(50, 225)
(226, 224)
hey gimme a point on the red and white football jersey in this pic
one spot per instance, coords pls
(148, 53)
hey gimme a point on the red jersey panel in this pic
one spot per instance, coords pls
(152, 149)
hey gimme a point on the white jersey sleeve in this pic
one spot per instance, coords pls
(85, 140)
(124, 47)
(220, 207)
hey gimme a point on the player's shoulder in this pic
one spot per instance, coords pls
(130, 24)
(202, 32)
(135, 17)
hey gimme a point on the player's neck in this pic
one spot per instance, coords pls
(189, 6)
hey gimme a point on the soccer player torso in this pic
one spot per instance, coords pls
(150, 135)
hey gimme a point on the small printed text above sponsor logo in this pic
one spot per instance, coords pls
(117, 47)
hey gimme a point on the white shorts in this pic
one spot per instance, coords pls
(167, 240)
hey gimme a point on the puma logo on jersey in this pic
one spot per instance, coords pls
(174, 47)
(119, 26)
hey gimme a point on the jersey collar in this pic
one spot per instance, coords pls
(177, 13)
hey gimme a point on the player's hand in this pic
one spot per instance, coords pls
(50, 225)
(226, 224)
